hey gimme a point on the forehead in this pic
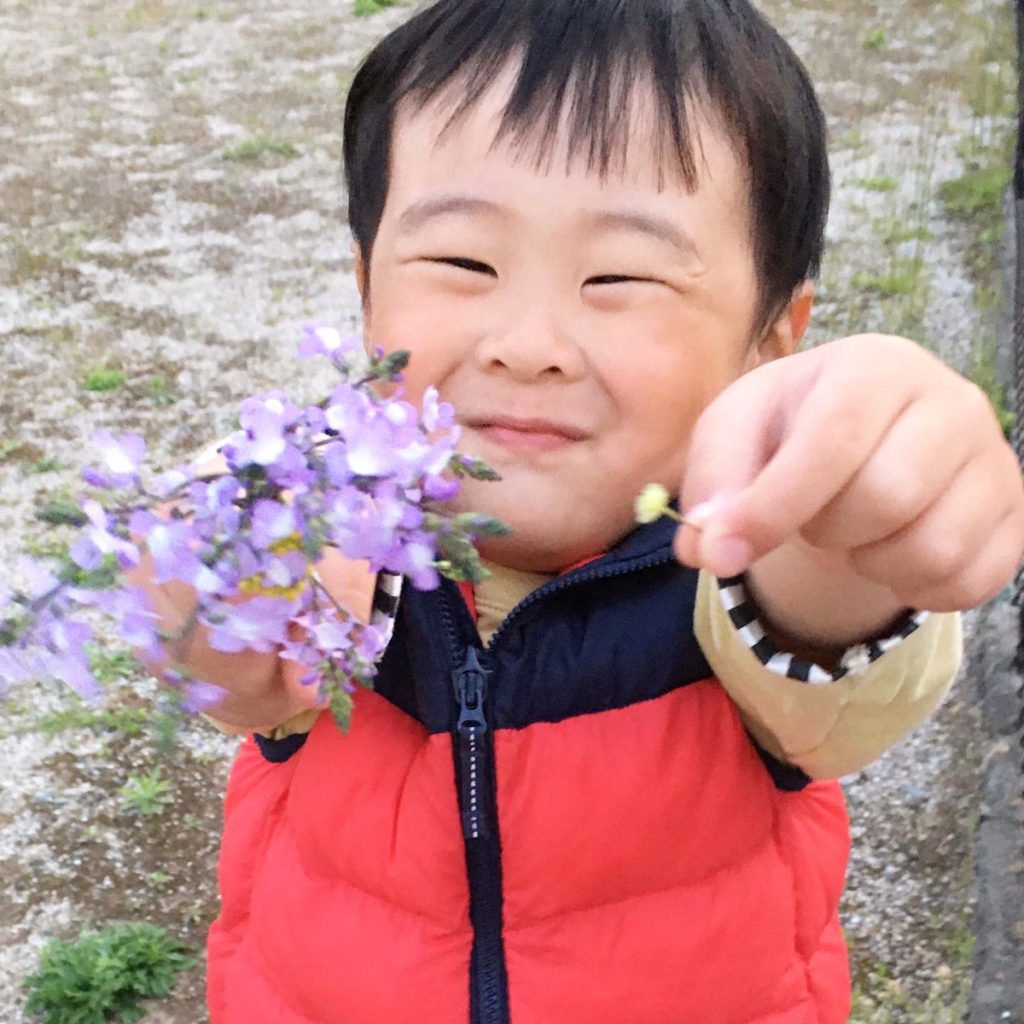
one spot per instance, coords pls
(438, 145)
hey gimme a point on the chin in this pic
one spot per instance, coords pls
(549, 541)
(552, 529)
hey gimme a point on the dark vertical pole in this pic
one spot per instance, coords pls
(1018, 319)
(1018, 198)
(1018, 301)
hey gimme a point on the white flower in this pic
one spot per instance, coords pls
(652, 503)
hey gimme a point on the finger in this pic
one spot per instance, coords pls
(826, 440)
(734, 437)
(983, 578)
(895, 486)
(938, 548)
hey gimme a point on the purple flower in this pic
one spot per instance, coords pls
(416, 559)
(120, 458)
(323, 340)
(90, 548)
(358, 470)
(169, 482)
(440, 488)
(169, 542)
(290, 470)
(201, 696)
(73, 669)
(261, 441)
(14, 668)
(332, 634)
(272, 521)
(86, 554)
(137, 624)
(258, 624)
(437, 415)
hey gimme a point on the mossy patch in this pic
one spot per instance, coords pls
(362, 8)
(261, 150)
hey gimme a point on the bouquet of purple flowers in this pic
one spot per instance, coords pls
(359, 471)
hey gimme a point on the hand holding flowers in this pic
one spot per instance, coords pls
(358, 472)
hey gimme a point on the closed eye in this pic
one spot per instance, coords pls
(473, 266)
(619, 279)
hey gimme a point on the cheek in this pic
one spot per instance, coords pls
(403, 316)
(660, 391)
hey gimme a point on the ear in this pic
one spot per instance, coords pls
(360, 268)
(361, 277)
(783, 337)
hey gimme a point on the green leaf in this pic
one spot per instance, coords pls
(61, 512)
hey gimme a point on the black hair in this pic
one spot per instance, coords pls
(578, 64)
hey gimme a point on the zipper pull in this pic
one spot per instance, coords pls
(471, 691)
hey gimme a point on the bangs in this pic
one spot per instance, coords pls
(579, 81)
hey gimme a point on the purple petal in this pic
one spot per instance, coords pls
(201, 696)
(85, 554)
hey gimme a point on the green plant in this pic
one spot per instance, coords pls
(45, 545)
(8, 446)
(985, 373)
(902, 279)
(47, 464)
(128, 721)
(978, 191)
(160, 391)
(104, 975)
(111, 666)
(363, 7)
(875, 39)
(897, 232)
(260, 149)
(103, 379)
(61, 511)
(146, 794)
(884, 183)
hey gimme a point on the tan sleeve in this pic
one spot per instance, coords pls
(835, 728)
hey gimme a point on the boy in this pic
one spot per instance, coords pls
(593, 225)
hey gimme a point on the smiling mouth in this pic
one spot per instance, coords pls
(527, 435)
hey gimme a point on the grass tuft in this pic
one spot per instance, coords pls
(362, 8)
(875, 39)
(105, 975)
(978, 192)
(260, 150)
(103, 379)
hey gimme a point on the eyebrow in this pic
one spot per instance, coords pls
(427, 209)
(654, 226)
(660, 228)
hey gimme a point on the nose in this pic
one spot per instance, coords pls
(531, 344)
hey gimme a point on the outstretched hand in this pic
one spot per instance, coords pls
(869, 448)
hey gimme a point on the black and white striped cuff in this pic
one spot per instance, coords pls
(855, 660)
(386, 595)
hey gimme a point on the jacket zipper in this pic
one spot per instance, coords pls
(473, 749)
(478, 797)
(471, 692)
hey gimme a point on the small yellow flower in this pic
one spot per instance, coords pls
(254, 585)
(652, 504)
(254, 588)
(293, 542)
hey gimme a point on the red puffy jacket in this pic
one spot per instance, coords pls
(570, 826)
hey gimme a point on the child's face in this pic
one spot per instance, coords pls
(578, 326)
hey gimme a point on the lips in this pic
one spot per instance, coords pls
(526, 434)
